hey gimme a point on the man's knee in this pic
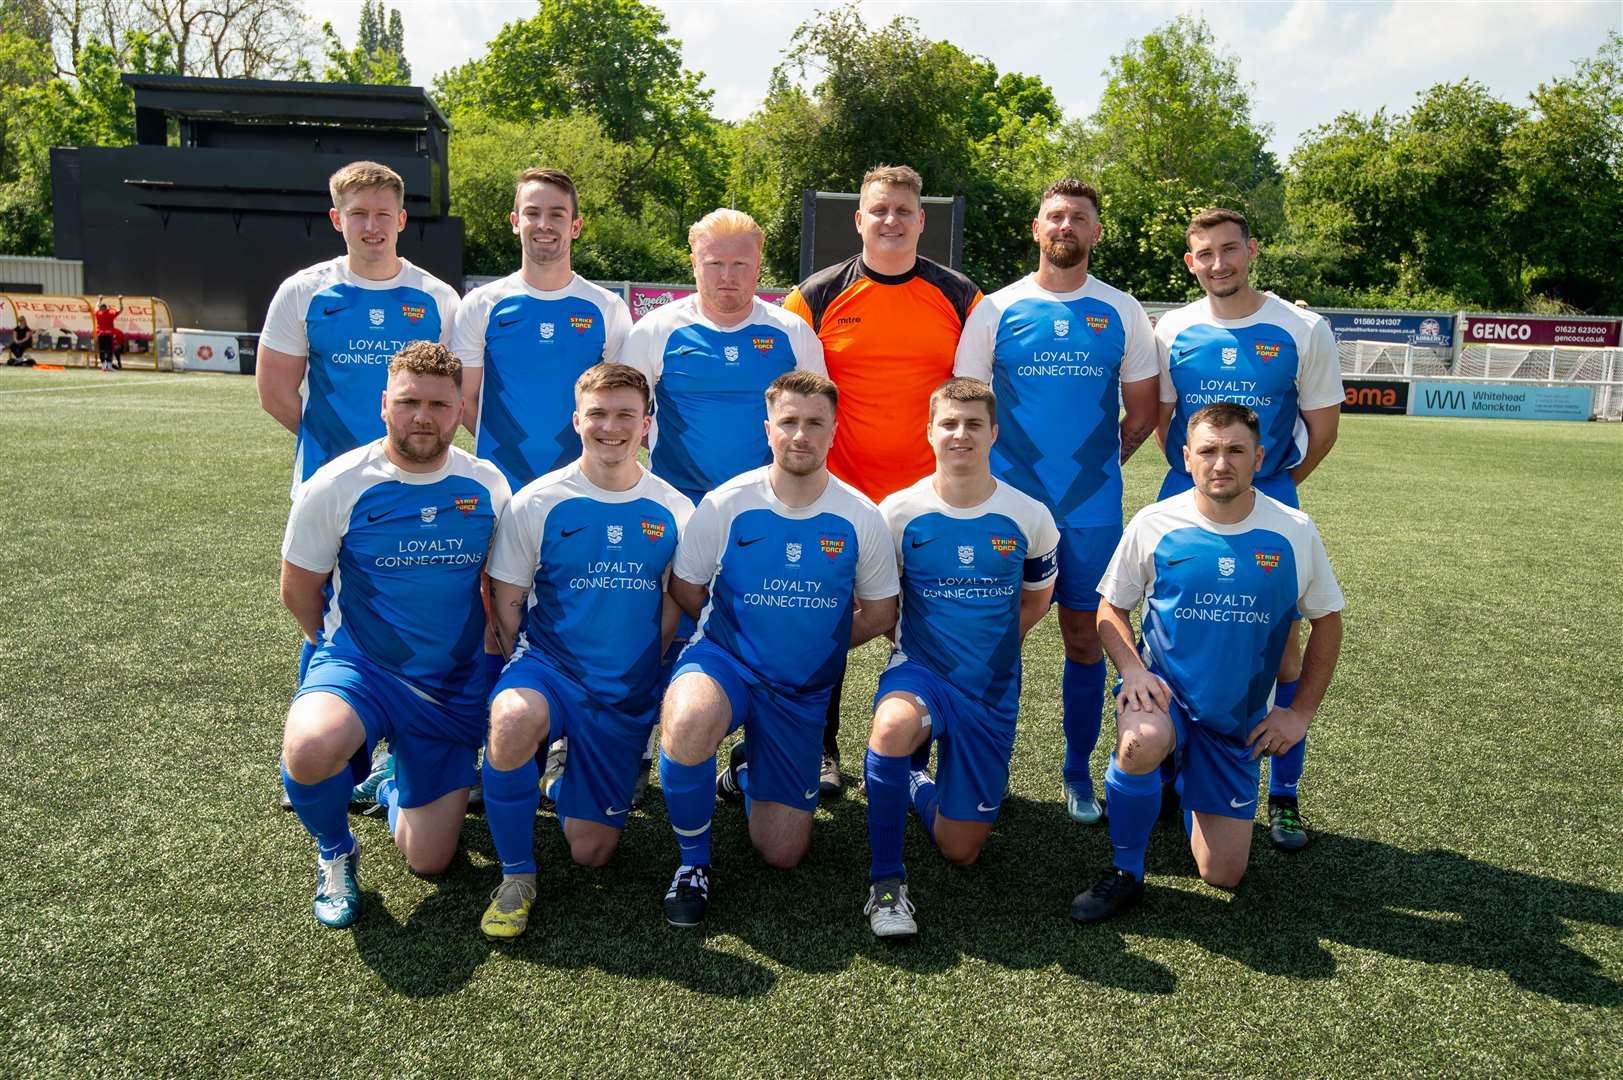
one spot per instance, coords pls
(518, 724)
(1079, 630)
(898, 726)
(426, 855)
(1144, 744)
(694, 719)
(781, 852)
(1222, 872)
(961, 850)
(592, 845)
(780, 834)
(320, 737)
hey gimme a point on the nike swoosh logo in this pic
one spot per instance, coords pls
(1236, 804)
(921, 543)
(376, 517)
(812, 794)
(612, 812)
(983, 808)
(746, 543)
(567, 533)
(331, 310)
(509, 322)
(1182, 558)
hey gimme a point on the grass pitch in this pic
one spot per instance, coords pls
(1459, 911)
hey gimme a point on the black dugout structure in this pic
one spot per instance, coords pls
(225, 192)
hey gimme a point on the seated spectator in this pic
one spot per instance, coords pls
(22, 339)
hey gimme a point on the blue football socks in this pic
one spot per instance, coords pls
(690, 803)
(511, 799)
(1285, 770)
(885, 778)
(1082, 692)
(323, 810)
(1135, 803)
(922, 789)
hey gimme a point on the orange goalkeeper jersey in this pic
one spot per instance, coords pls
(888, 341)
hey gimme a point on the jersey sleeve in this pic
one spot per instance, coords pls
(644, 349)
(1318, 379)
(977, 344)
(313, 533)
(284, 321)
(1130, 570)
(877, 578)
(1141, 360)
(469, 325)
(698, 548)
(1320, 591)
(808, 347)
(516, 551)
(449, 302)
(1163, 364)
(616, 327)
(1042, 551)
(796, 304)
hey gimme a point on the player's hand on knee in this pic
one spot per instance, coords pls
(1280, 730)
(1142, 689)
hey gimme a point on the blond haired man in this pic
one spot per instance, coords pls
(333, 327)
(526, 338)
(711, 356)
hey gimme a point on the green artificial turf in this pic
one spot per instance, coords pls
(1458, 912)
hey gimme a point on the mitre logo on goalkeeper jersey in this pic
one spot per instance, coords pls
(405, 551)
(533, 345)
(1056, 362)
(1219, 601)
(963, 570)
(348, 328)
(594, 562)
(1278, 361)
(782, 578)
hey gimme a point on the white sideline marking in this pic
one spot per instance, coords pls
(102, 385)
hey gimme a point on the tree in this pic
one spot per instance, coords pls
(379, 55)
(891, 95)
(1173, 135)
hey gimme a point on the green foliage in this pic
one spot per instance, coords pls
(1173, 135)
(891, 95)
(613, 63)
(487, 153)
(379, 55)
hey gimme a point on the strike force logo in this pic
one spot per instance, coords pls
(654, 530)
(1266, 352)
(1004, 545)
(1098, 323)
(581, 323)
(414, 312)
(763, 345)
(1268, 560)
(466, 503)
(832, 545)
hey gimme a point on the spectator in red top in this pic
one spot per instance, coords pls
(104, 317)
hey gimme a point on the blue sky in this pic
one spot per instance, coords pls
(1307, 59)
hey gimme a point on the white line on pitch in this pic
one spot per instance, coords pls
(105, 385)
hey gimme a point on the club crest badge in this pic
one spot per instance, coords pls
(731, 353)
(1230, 357)
(792, 552)
(547, 330)
(1062, 328)
(616, 533)
(1225, 565)
(428, 514)
(376, 316)
(966, 554)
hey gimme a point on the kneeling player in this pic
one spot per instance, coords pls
(977, 570)
(790, 567)
(580, 561)
(399, 529)
(1223, 571)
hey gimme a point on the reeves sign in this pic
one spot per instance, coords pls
(1527, 330)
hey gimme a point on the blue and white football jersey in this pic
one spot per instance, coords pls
(1056, 362)
(348, 328)
(405, 551)
(962, 572)
(533, 345)
(709, 382)
(1279, 361)
(782, 578)
(595, 563)
(1219, 601)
